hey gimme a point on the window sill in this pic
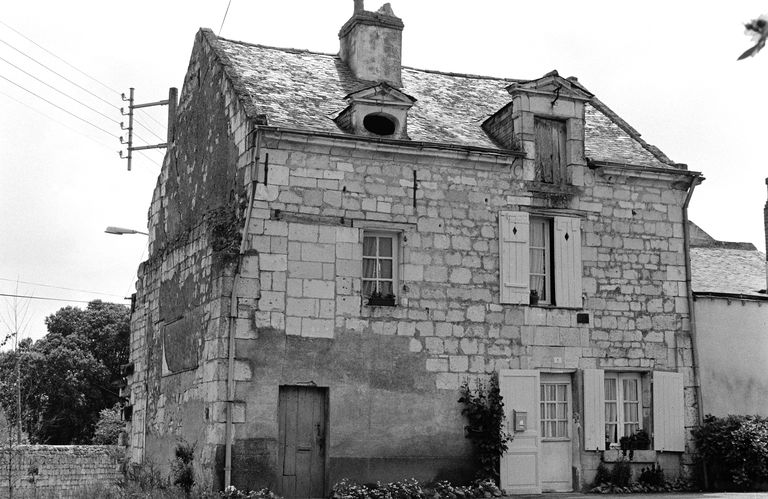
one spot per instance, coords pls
(549, 306)
(639, 456)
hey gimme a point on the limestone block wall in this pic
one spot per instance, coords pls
(180, 324)
(310, 324)
(64, 471)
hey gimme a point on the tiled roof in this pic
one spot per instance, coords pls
(305, 90)
(728, 270)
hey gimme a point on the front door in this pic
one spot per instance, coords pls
(302, 413)
(520, 469)
(556, 450)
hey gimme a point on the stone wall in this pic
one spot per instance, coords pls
(62, 471)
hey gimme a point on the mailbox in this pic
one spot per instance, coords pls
(520, 419)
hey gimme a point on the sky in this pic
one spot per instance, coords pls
(668, 68)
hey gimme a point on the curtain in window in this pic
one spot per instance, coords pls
(631, 406)
(538, 265)
(611, 411)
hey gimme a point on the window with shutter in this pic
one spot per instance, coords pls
(540, 259)
(550, 151)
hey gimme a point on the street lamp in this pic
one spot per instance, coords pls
(120, 231)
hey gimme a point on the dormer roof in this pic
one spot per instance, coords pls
(553, 83)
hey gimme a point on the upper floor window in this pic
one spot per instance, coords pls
(540, 250)
(380, 267)
(549, 142)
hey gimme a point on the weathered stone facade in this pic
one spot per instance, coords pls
(254, 281)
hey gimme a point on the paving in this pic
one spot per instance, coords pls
(664, 495)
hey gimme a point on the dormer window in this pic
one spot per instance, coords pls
(377, 111)
(380, 124)
(549, 140)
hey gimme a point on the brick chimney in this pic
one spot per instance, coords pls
(371, 44)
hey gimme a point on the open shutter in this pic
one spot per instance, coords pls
(594, 409)
(668, 421)
(568, 268)
(514, 272)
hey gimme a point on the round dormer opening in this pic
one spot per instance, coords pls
(380, 124)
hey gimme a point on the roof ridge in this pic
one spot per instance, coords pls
(467, 75)
(284, 49)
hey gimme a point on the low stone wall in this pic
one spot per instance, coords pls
(60, 471)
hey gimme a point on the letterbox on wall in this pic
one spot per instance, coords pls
(520, 420)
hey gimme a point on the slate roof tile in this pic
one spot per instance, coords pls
(305, 90)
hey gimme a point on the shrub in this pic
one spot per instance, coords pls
(231, 492)
(108, 427)
(603, 475)
(412, 489)
(484, 410)
(181, 469)
(652, 476)
(734, 451)
(621, 474)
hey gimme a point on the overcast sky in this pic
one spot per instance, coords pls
(668, 68)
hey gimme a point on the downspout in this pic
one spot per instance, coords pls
(233, 315)
(692, 316)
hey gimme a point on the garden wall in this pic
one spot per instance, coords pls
(59, 470)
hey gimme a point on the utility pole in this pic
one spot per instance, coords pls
(170, 102)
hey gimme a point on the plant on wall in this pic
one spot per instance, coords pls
(484, 410)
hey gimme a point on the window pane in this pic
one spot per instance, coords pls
(630, 389)
(562, 429)
(369, 268)
(385, 246)
(385, 287)
(368, 288)
(610, 389)
(561, 393)
(561, 411)
(537, 233)
(610, 433)
(385, 269)
(630, 412)
(369, 246)
(610, 412)
(552, 428)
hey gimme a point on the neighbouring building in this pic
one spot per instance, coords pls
(731, 315)
(338, 242)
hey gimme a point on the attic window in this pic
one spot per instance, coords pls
(380, 124)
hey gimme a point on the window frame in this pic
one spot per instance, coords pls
(566, 420)
(621, 420)
(394, 236)
(549, 267)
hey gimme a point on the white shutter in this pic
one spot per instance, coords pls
(594, 409)
(668, 419)
(568, 268)
(514, 270)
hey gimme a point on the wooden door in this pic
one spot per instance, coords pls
(556, 433)
(520, 470)
(302, 413)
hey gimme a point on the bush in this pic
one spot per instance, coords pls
(412, 489)
(484, 410)
(621, 474)
(652, 476)
(181, 469)
(231, 492)
(734, 451)
(108, 427)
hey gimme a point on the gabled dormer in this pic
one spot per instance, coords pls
(376, 111)
(546, 120)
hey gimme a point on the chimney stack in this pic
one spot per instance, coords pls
(371, 44)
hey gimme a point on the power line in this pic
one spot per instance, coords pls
(59, 58)
(225, 16)
(59, 107)
(79, 71)
(30, 297)
(59, 91)
(102, 144)
(58, 287)
(58, 74)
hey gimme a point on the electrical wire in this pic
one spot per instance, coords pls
(59, 287)
(79, 71)
(102, 144)
(59, 91)
(59, 58)
(31, 297)
(59, 107)
(225, 16)
(58, 74)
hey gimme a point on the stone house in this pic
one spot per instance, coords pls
(728, 284)
(338, 242)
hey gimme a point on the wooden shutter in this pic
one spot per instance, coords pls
(568, 268)
(594, 409)
(668, 417)
(549, 139)
(514, 271)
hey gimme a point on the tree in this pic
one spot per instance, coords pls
(758, 30)
(66, 376)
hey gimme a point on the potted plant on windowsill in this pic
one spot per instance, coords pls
(379, 300)
(534, 298)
